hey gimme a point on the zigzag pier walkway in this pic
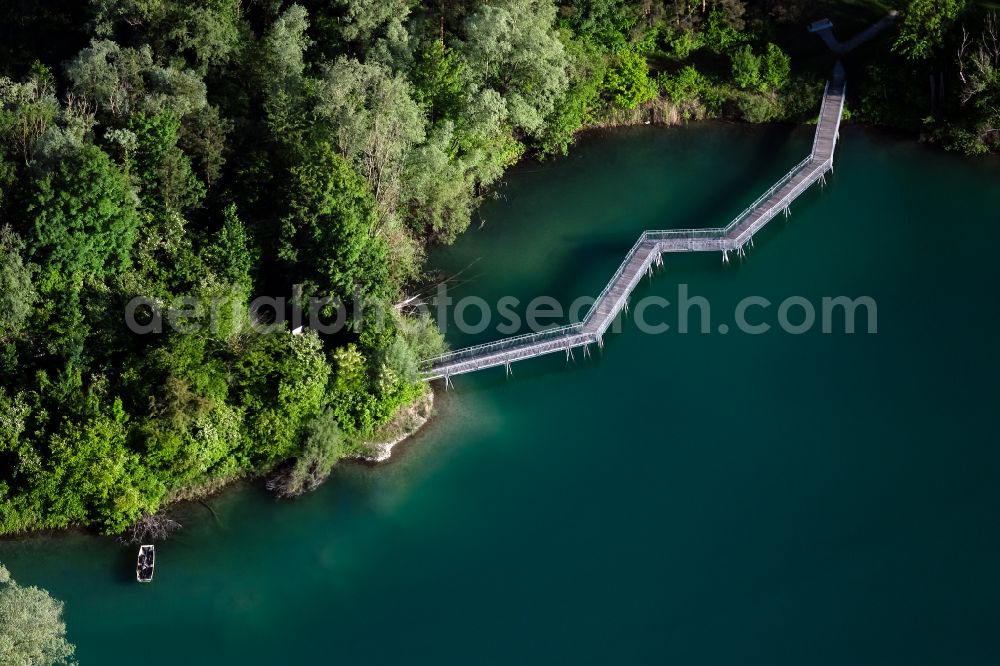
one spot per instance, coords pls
(648, 252)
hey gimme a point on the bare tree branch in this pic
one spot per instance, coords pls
(149, 528)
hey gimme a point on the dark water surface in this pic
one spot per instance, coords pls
(685, 499)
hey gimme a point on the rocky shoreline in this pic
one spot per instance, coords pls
(407, 422)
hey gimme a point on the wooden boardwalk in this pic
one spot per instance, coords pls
(648, 251)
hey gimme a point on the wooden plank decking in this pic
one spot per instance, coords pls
(648, 250)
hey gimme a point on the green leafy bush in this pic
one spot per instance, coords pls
(628, 80)
(777, 67)
(687, 86)
(747, 69)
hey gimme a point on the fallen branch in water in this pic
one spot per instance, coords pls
(149, 528)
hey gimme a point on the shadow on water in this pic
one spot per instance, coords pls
(716, 209)
(608, 248)
(607, 251)
(694, 195)
(123, 563)
(723, 202)
(538, 368)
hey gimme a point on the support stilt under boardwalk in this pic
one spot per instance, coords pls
(649, 249)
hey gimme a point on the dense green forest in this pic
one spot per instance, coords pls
(224, 150)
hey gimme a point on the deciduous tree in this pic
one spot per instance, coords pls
(924, 26)
(373, 120)
(329, 234)
(777, 67)
(512, 48)
(32, 630)
(17, 293)
(746, 69)
(84, 216)
(628, 80)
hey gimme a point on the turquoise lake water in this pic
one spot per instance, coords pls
(687, 499)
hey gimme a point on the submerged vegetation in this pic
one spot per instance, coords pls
(227, 150)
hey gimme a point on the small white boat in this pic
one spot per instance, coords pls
(144, 565)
